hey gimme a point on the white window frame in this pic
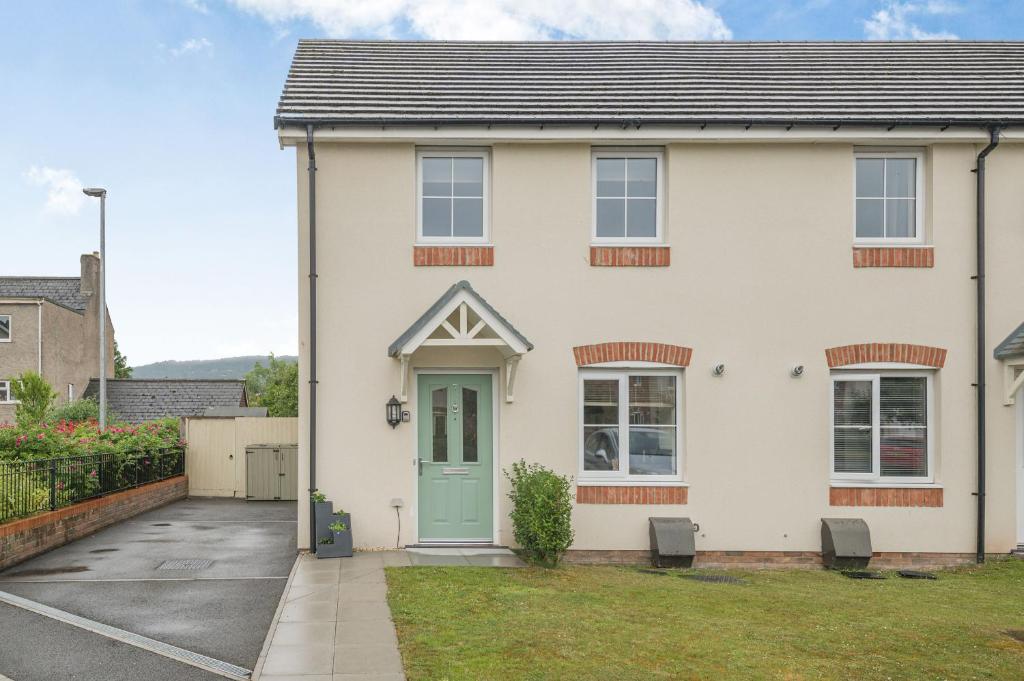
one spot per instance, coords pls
(919, 226)
(485, 237)
(876, 477)
(659, 200)
(622, 475)
(10, 398)
(10, 328)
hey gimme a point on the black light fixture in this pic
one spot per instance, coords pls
(394, 411)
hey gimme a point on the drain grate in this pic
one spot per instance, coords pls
(714, 579)
(185, 564)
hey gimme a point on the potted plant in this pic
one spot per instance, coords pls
(323, 509)
(339, 544)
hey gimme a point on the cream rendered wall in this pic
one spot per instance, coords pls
(761, 279)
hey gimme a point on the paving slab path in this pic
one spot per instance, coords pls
(334, 623)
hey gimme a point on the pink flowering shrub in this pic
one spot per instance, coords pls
(74, 438)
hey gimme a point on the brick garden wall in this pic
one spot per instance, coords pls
(28, 537)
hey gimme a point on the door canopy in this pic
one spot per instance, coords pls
(1011, 352)
(461, 318)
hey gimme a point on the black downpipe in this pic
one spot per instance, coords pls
(312, 334)
(981, 357)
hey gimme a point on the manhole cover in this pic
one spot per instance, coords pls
(714, 579)
(863, 574)
(186, 564)
(916, 574)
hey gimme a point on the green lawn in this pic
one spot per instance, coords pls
(617, 623)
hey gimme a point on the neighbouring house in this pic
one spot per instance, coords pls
(147, 399)
(734, 282)
(51, 325)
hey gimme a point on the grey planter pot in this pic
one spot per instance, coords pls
(342, 541)
(324, 517)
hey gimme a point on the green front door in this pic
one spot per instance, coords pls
(456, 456)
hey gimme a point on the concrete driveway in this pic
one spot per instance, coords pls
(218, 600)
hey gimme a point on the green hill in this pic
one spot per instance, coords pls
(227, 367)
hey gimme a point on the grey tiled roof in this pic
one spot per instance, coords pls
(64, 291)
(395, 348)
(142, 400)
(1012, 346)
(395, 82)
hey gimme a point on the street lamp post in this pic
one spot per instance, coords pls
(98, 192)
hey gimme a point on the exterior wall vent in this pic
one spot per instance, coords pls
(845, 543)
(672, 542)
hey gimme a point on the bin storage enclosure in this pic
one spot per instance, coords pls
(271, 472)
(215, 454)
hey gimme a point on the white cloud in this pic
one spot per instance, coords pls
(196, 6)
(191, 45)
(501, 19)
(895, 21)
(63, 189)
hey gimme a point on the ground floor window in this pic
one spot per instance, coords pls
(882, 426)
(5, 391)
(630, 424)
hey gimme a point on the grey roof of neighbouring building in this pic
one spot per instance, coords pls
(142, 400)
(396, 82)
(64, 291)
(1012, 345)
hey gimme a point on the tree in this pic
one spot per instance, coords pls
(275, 386)
(35, 398)
(121, 368)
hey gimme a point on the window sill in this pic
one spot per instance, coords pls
(609, 255)
(672, 493)
(893, 256)
(853, 484)
(905, 495)
(630, 483)
(452, 255)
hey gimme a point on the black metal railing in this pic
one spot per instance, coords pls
(27, 487)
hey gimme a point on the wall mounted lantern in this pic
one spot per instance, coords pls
(394, 411)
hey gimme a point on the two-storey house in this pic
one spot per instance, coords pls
(752, 284)
(50, 325)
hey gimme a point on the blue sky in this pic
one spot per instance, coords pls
(169, 104)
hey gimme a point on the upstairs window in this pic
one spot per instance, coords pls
(452, 197)
(5, 328)
(888, 197)
(627, 197)
(882, 427)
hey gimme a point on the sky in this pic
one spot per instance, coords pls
(169, 105)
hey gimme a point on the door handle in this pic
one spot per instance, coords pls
(419, 462)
